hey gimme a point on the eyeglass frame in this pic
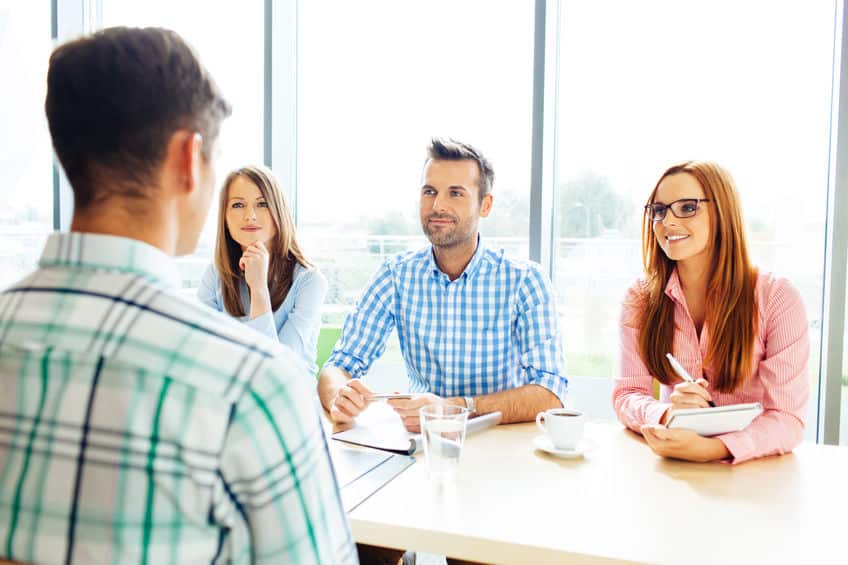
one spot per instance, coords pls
(649, 208)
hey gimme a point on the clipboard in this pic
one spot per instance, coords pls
(714, 421)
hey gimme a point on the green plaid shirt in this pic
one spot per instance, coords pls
(136, 427)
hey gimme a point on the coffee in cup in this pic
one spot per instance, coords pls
(563, 426)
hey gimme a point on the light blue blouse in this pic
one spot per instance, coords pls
(295, 323)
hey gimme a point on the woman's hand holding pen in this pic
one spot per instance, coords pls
(689, 395)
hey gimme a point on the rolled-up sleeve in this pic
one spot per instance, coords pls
(542, 359)
(783, 373)
(367, 327)
(633, 388)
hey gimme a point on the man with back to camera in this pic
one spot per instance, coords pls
(476, 328)
(136, 427)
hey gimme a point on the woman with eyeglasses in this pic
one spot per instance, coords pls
(260, 276)
(740, 333)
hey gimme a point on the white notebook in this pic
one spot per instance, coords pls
(714, 421)
(380, 426)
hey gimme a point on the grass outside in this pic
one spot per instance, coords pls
(589, 365)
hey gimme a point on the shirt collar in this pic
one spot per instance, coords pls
(470, 269)
(110, 253)
(672, 288)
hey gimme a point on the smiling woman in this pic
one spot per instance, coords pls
(741, 333)
(260, 274)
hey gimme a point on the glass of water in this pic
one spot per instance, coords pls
(443, 429)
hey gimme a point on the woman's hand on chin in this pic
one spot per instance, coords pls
(254, 262)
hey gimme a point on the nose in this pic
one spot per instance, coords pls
(249, 212)
(669, 219)
(438, 202)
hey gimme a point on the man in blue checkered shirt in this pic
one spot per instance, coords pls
(476, 328)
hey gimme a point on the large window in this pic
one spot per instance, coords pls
(640, 85)
(26, 178)
(229, 40)
(371, 97)
(646, 84)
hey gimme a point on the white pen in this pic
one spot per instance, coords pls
(678, 368)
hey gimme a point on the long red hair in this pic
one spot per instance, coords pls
(731, 309)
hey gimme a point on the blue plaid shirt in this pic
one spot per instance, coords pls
(491, 329)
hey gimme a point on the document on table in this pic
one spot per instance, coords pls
(380, 426)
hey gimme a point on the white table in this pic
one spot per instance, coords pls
(619, 504)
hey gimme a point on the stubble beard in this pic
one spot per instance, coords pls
(454, 236)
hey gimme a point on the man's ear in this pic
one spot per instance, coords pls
(486, 205)
(192, 157)
(183, 160)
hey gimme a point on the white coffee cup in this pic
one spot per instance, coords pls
(563, 426)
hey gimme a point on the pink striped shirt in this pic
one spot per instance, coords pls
(779, 383)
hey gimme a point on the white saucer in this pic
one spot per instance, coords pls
(543, 443)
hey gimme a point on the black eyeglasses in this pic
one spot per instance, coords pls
(683, 208)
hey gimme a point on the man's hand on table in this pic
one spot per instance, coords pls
(408, 409)
(350, 401)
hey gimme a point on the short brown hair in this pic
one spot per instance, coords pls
(447, 149)
(115, 98)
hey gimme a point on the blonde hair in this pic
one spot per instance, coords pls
(731, 308)
(283, 248)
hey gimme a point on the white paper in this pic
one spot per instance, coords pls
(380, 426)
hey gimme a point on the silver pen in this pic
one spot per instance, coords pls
(678, 368)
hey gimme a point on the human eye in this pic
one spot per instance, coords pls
(428, 192)
(236, 205)
(656, 209)
(262, 204)
(687, 206)
(456, 193)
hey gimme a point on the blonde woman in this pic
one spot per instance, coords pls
(260, 275)
(742, 334)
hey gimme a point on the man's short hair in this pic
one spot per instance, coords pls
(447, 149)
(115, 98)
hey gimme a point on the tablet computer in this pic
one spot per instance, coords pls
(714, 421)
